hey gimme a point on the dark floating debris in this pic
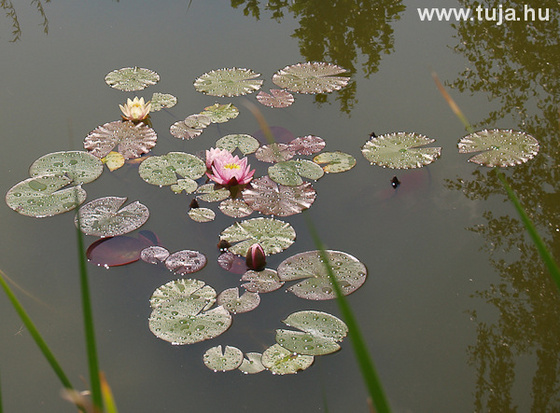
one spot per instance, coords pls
(395, 182)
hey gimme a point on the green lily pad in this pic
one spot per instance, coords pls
(183, 131)
(236, 304)
(290, 172)
(316, 285)
(131, 140)
(252, 363)
(311, 77)
(220, 113)
(499, 147)
(131, 79)
(281, 361)
(305, 343)
(180, 313)
(274, 236)
(230, 359)
(201, 214)
(43, 196)
(163, 170)
(198, 121)
(335, 162)
(162, 100)
(264, 281)
(235, 208)
(104, 217)
(212, 193)
(400, 150)
(81, 167)
(228, 82)
(246, 143)
(186, 184)
(275, 152)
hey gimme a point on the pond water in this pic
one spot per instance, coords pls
(458, 312)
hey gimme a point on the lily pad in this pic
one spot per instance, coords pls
(311, 77)
(348, 270)
(499, 147)
(290, 172)
(201, 214)
(113, 160)
(220, 113)
(163, 170)
(131, 79)
(162, 100)
(44, 196)
(230, 359)
(305, 343)
(400, 150)
(232, 263)
(104, 217)
(264, 281)
(335, 162)
(273, 235)
(246, 143)
(154, 254)
(307, 145)
(252, 363)
(235, 208)
(281, 361)
(212, 193)
(275, 152)
(268, 197)
(81, 167)
(228, 82)
(116, 251)
(236, 304)
(183, 131)
(277, 98)
(180, 313)
(198, 121)
(131, 140)
(185, 262)
(186, 184)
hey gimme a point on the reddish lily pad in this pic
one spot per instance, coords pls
(185, 262)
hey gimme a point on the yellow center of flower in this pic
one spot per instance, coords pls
(232, 166)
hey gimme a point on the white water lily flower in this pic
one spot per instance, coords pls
(136, 110)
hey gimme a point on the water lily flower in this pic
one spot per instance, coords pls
(215, 153)
(231, 171)
(136, 110)
(256, 258)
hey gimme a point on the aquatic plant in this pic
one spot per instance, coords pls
(135, 110)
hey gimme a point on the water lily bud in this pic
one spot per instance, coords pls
(256, 258)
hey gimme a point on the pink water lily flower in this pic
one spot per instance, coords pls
(230, 172)
(136, 110)
(215, 153)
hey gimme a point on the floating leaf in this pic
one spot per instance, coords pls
(228, 82)
(290, 172)
(281, 361)
(185, 262)
(311, 77)
(201, 214)
(246, 143)
(279, 135)
(131, 140)
(182, 131)
(131, 79)
(162, 100)
(400, 150)
(232, 263)
(277, 98)
(113, 160)
(252, 363)
(275, 152)
(499, 147)
(154, 254)
(81, 167)
(180, 313)
(186, 184)
(163, 170)
(264, 281)
(216, 360)
(43, 196)
(307, 145)
(235, 208)
(103, 218)
(198, 121)
(235, 304)
(268, 197)
(115, 251)
(348, 270)
(335, 161)
(220, 113)
(274, 236)
(319, 335)
(212, 193)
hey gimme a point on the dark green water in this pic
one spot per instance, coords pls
(458, 311)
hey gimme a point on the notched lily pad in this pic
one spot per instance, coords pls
(307, 145)
(228, 82)
(236, 304)
(116, 251)
(275, 152)
(246, 143)
(309, 266)
(400, 150)
(264, 281)
(195, 294)
(281, 361)
(252, 363)
(185, 262)
(273, 235)
(290, 172)
(229, 359)
(154, 254)
(82, 167)
(131, 79)
(131, 140)
(212, 193)
(235, 208)
(44, 196)
(311, 77)
(335, 162)
(220, 113)
(201, 214)
(277, 98)
(163, 170)
(104, 217)
(183, 131)
(162, 100)
(499, 147)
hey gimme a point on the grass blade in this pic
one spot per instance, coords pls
(108, 400)
(371, 378)
(454, 107)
